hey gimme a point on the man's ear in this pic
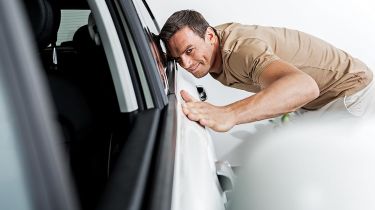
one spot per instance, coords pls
(210, 35)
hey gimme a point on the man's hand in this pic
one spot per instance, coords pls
(215, 117)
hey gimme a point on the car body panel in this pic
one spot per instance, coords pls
(196, 185)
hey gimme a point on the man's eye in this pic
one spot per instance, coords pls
(189, 51)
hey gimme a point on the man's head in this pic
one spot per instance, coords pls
(192, 42)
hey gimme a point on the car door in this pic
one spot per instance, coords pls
(194, 148)
(184, 161)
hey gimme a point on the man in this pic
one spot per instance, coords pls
(287, 69)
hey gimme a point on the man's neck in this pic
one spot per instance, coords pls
(217, 66)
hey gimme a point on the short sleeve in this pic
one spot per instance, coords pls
(250, 57)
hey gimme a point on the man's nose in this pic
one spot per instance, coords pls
(185, 62)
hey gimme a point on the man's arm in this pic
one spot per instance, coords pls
(284, 89)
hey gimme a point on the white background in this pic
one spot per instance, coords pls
(347, 24)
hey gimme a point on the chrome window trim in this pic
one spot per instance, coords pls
(116, 58)
(138, 63)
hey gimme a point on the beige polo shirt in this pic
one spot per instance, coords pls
(248, 49)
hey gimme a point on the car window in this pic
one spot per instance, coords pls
(156, 45)
(116, 60)
(12, 174)
(140, 70)
(160, 61)
(146, 17)
(71, 20)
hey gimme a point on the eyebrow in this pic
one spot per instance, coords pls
(186, 48)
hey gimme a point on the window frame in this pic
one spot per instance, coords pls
(150, 148)
(118, 65)
(126, 11)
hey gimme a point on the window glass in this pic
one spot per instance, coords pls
(156, 45)
(160, 59)
(71, 20)
(141, 74)
(13, 190)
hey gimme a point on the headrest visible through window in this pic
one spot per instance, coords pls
(45, 17)
(93, 30)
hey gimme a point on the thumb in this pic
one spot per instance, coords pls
(186, 96)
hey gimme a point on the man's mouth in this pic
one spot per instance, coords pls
(194, 68)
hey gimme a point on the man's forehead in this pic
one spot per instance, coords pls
(181, 40)
(177, 50)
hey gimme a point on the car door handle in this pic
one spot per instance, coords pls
(202, 93)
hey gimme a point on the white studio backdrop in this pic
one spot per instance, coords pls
(347, 24)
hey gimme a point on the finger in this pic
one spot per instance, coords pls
(194, 108)
(193, 117)
(206, 122)
(204, 107)
(193, 113)
(186, 96)
(198, 106)
(203, 122)
(185, 109)
(188, 111)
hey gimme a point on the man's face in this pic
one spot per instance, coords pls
(192, 52)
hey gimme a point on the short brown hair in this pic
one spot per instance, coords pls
(181, 19)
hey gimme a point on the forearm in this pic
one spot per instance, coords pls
(282, 96)
(285, 89)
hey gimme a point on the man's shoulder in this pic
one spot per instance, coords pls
(227, 27)
(239, 39)
(223, 26)
(227, 34)
(231, 33)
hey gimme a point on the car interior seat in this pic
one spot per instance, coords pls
(45, 17)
